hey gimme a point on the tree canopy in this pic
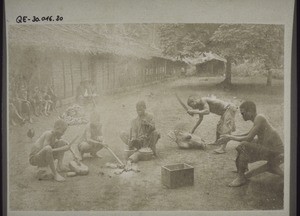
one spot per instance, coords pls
(237, 42)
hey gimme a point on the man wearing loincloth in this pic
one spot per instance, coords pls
(142, 133)
(92, 138)
(49, 147)
(268, 146)
(206, 105)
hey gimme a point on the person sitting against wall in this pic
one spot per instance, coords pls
(39, 101)
(15, 117)
(84, 93)
(23, 105)
(80, 93)
(53, 97)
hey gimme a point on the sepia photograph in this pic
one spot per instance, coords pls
(157, 116)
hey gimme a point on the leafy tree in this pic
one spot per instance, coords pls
(249, 41)
(235, 42)
(185, 40)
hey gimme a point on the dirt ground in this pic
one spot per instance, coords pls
(144, 191)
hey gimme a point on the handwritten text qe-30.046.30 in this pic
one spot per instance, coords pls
(35, 19)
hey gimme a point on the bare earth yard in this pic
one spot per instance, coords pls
(144, 191)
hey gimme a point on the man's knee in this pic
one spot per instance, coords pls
(243, 146)
(124, 136)
(47, 149)
(85, 147)
(61, 143)
(155, 134)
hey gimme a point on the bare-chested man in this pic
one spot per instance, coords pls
(268, 147)
(206, 105)
(49, 147)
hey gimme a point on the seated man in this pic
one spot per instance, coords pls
(206, 105)
(49, 147)
(39, 102)
(268, 147)
(14, 117)
(142, 133)
(24, 105)
(92, 139)
(53, 97)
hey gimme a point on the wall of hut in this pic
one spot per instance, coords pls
(211, 68)
(65, 70)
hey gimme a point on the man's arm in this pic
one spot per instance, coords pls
(252, 133)
(49, 140)
(204, 111)
(149, 122)
(239, 135)
(197, 124)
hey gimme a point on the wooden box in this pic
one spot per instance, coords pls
(177, 175)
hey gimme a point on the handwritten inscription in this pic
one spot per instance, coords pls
(35, 19)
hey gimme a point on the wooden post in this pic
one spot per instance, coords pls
(72, 81)
(80, 69)
(102, 75)
(108, 67)
(64, 77)
(114, 74)
(165, 66)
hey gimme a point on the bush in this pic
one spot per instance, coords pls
(277, 73)
(256, 68)
(247, 69)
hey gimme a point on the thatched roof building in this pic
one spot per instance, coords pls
(64, 55)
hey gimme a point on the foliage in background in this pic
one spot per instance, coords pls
(240, 42)
(235, 42)
(185, 40)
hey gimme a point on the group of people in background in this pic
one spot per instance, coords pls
(26, 102)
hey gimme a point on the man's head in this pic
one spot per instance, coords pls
(141, 108)
(248, 110)
(194, 101)
(60, 126)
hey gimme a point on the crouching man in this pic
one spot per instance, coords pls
(143, 134)
(268, 146)
(49, 147)
(92, 138)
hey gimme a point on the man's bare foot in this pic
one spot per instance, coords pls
(43, 175)
(63, 169)
(95, 155)
(59, 178)
(220, 151)
(276, 170)
(239, 181)
(214, 143)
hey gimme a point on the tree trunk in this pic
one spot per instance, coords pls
(269, 78)
(228, 72)
(227, 81)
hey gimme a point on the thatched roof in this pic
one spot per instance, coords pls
(78, 38)
(205, 57)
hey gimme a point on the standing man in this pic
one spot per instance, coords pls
(268, 146)
(206, 105)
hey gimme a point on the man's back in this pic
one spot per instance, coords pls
(216, 106)
(267, 135)
(40, 142)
